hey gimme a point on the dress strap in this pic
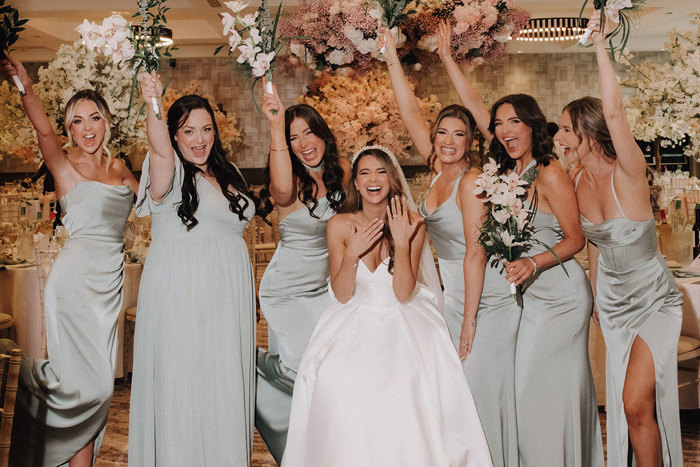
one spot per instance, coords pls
(532, 163)
(578, 177)
(612, 185)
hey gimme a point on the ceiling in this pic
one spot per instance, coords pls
(197, 27)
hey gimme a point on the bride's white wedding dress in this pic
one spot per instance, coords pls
(380, 384)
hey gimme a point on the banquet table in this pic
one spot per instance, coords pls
(19, 297)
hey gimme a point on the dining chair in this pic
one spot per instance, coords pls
(9, 376)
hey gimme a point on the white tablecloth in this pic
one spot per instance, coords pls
(19, 297)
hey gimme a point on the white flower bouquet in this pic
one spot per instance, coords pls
(10, 27)
(617, 11)
(139, 47)
(508, 231)
(253, 36)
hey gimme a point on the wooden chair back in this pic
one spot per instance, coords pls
(9, 375)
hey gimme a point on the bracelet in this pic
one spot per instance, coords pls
(279, 150)
(534, 264)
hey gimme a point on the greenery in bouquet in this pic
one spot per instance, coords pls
(480, 29)
(508, 232)
(666, 102)
(361, 110)
(230, 132)
(619, 12)
(10, 27)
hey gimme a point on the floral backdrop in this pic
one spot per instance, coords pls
(360, 109)
(666, 102)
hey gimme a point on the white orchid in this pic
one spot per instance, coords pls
(509, 240)
(262, 63)
(501, 215)
(122, 53)
(91, 33)
(248, 52)
(255, 35)
(236, 6)
(249, 19)
(115, 29)
(234, 40)
(613, 7)
(229, 22)
(514, 183)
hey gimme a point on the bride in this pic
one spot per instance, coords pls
(380, 382)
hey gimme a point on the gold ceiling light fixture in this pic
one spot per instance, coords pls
(553, 29)
(166, 35)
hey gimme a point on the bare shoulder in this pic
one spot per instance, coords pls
(552, 175)
(338, 223)
(470, 177)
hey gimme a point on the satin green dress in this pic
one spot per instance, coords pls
(293, 296)
(637, 296)
(490, 367)
(63, 401)
(193, 386)
(555, 396)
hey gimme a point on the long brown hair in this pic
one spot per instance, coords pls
(461, 113)
(587, 119)
(353, 201)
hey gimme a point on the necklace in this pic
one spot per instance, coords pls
(318, 168)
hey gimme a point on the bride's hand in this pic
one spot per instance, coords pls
(399, 218)
(362, 239)
(466, 338)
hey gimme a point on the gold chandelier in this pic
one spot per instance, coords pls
(553, 29)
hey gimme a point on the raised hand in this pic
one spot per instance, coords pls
(444, 34)
(151, 86)
(387, 45)
(272, 105)
(14, 68)
(594, 25)
(363, 239)
(399, 218)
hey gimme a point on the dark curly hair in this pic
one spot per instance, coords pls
(461, 113)
(529, 112)
(226, 174)
(332, 171)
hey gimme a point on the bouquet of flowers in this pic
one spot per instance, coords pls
(508, 232)
(617, 11)
(10, 28)
(361, 110)
(139, 47)
(255, 39)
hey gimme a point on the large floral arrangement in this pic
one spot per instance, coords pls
(336, 33)
(666, 103)
(360, 109)
(17, 135)
(230, 133)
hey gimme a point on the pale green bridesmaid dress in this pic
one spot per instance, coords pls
(193, 387)
(637, 296)
(293, 295)
(557, 411)
(63, 402)
(490, 367)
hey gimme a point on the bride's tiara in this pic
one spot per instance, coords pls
(379, 147)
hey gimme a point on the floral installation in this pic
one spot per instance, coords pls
(666, 102)
(508, 232)
(139, 47)
(10, 27)
(480, 29)
(17, 137)
(230, 133)
(343, 33)
(619, 12)
(361, 110)
(255, 39)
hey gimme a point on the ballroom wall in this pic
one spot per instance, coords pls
(553, 79)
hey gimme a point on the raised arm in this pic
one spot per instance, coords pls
(161, 152)
(346, 244)
(629, 156)
(468, 95)
(50, 147)
(409, 109)
(282, 186)
(473, 211)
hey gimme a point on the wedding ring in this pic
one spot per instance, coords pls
(395, 215)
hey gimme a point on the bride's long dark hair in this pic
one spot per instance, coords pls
(353, 202)
(225, 172)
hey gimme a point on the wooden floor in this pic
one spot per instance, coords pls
(114, 447)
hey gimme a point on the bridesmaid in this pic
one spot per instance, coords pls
(63, 403)
(192, 395)
(637, 297)
(490, 364)
(306, 180)
(557, 414)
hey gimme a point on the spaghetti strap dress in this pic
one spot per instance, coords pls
(490, 367)
(637, 295)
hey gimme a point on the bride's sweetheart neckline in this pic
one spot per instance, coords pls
(375, 269)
